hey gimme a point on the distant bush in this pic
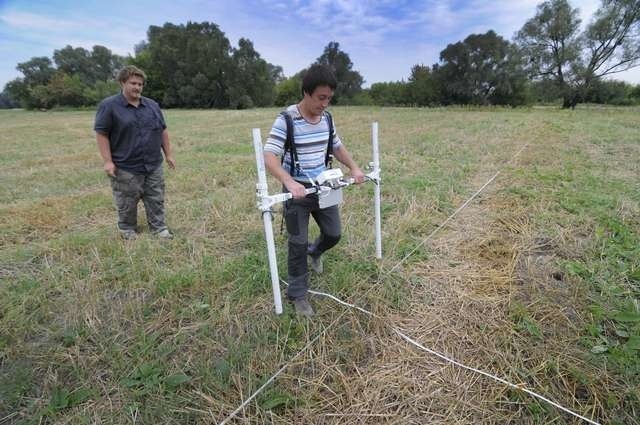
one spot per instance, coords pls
(288, 91)
(243, 102)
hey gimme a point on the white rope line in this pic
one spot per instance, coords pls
(435, 353)
(338, 300)
(518, 153)
(460, 208)
(452, 361)
(518, 387)
(444, 223)
(288, 363)
(282, 369)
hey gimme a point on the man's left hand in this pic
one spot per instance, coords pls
(358, 176)
(171, 161)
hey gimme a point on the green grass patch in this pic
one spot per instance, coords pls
(96, 329)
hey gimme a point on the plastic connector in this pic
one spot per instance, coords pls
(331, 177)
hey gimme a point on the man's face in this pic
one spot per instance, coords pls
(132, 88)
(319, 99)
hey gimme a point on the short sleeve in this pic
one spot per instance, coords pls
(102, 123)
(337, 142)
(164, 124)
(277, 137)
(158, 113)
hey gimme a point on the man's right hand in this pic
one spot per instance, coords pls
(297, 190)
(110, 168)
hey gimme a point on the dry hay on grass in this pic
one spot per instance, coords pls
(47, 218)
(490, 273)
(485, 278)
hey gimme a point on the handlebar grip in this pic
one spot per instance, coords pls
(311, 190)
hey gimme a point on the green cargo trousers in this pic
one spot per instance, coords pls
(128, 188)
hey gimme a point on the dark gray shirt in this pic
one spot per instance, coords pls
(135, 133)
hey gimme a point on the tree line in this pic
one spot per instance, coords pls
(549, 59)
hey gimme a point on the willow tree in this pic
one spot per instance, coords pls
(556, 50)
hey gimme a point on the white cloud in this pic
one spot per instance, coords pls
(33, 22)
(83, 31)
(384, 38)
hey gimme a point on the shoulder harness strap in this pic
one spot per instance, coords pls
(289, 144)
(328, 160)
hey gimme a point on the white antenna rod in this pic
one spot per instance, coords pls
(376, 170)
(263, 192)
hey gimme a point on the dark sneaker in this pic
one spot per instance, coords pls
(316, 264)
(164, 234)
(128, 235)
(303, 308)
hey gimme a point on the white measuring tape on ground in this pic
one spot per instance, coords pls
(452, 361)
(400, 333)
(410, 341)
(282, 369)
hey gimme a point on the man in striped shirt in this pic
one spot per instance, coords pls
(311, 138)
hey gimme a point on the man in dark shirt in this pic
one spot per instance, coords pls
(131, 133)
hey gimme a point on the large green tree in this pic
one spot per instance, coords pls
(482, 69)
(422, 87)
(6, 101)
(186, 65)
(556, 50)
(79, 78)
(254, 79)
(349, 80)
(75, 61)
(99, 64)
(194, 65)
(37, 72)
(389, 93)
(612, 39)
(105, 64)
(550, 44)
(17, 92)
(610, 92)
(62, 90)
(288, 91)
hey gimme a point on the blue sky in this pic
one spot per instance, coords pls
(384, 38)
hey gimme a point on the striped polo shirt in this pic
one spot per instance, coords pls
(311, 143)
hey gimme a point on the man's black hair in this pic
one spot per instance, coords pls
(318, 75)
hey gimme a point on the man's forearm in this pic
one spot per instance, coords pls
(343, 155)
(105, 152)
(273, 166)
(104, 147)
(166, 145)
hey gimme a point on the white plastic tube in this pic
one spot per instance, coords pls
(262, 192)
(376, 168)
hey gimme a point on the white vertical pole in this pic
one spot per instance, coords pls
(376, 167)
(262, 191)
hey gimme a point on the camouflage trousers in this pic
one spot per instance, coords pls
(128, 188)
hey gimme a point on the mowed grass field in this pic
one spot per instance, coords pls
(537, 280)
